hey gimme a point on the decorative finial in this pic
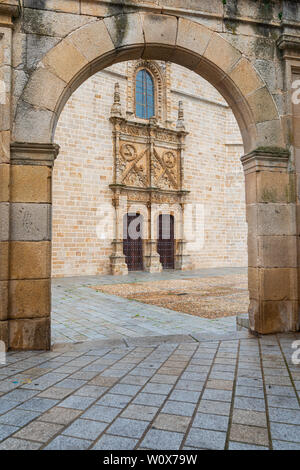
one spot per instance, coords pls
(180, 121)
(116, 109)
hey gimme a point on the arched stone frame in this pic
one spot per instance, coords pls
(159, 81)
(151, 37)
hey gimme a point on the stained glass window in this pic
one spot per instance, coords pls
(144, 95)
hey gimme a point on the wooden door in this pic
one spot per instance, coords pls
(165, 244)
(133, 242)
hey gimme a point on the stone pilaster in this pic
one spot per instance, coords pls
(272, 241)
(289, 45)
(152, 262)
(117, 259)
(29, 299)
(182, 258)
(8, 9)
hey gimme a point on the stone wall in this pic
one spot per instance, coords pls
(83, 171)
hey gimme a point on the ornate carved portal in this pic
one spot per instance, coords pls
(148, 176)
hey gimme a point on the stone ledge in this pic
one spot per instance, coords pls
(23, 153)
(10, 7)
(266, 159)
(288, 41)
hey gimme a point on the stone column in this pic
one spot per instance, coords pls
(182, 257)
(152, 262)
(8, 9)
(117, 259)
(30, 245)
(272, 241)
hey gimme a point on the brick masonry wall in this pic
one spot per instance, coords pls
(84, 169)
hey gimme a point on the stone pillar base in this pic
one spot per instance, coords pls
(117, 259)
(152, 264)
(182, 259)
(4, 334)
(183, 263)
(118, 265)
(30, 334)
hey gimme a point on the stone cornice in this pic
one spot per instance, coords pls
(288, 41)
(10, 7)
(266, 159)
(33, 154)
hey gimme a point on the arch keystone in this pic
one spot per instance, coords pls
(159, 30)
(125, 30)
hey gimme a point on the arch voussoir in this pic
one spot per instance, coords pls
(150, 36)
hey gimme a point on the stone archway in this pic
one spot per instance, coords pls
(270, 210)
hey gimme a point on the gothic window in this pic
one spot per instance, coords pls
(144, 95)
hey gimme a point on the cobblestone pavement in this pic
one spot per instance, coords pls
(180, 392)
(80, 313)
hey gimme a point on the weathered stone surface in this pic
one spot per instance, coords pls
(253, 283)
(65, 60)
(30, 260)
(125, 30)
(4, 146)
(30, 184)
(252, 248)
(93, 40)
(29, 298)
(3, 300)
(37, 46)
(5, 78)
(30, 222)
(280, 316)
(51, 23)
(4, 182)
(276, 219)
(159, 29)
(4, 332)
(19, 49)
(251, 188)
(277, 251)
(279, 284)
(4, 260)
(269, 133)
(262, 105)
(29, 334)
(221, 53)
(193, 36)
(35, 94)
(67, 6)
(245, 77)
(6, 49)
(273, 187)
(4, 221)
(32, 124)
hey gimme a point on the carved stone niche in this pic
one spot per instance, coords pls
(148, 169)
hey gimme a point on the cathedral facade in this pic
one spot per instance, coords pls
(148, 176)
